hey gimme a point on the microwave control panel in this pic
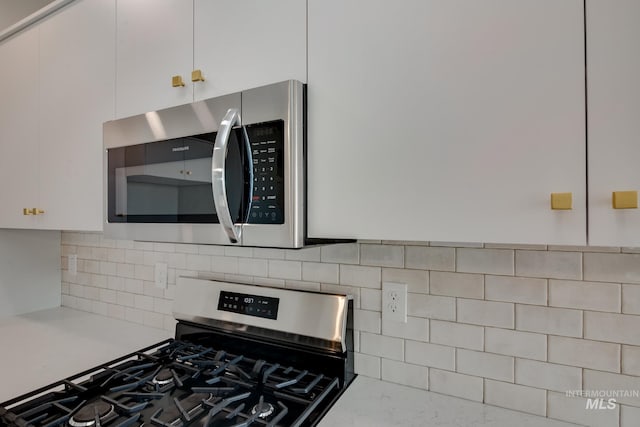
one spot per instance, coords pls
(267, 150)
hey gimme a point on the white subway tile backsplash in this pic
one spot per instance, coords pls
(291, 270)
(320, 272)
(417, 281)
(554, 265)
(457, 335)
(515, 343)
(370, 299)
(485, 365)
(451, 383)
(405, 374)
(143, 302)
(253, 267)
(198, 262)
(631, 360)
(132, 256)
(617, 328)
(516, 289)
(457, 284)
(600, 267)
(311, 254)
(367, 365)
(416, 328)
(367, 321)
(489, 261)
(548, 376)
(597, 380)
(430, 258)
(584, 353)
(382, 255)
(486, 313)
(368, 277)
(517, 397)
(346, 253)
(379, 345)
(629, 416)
(225, 264)
(431, 306)
(547, 320)
(585, 295)
(459, 338)
(631, 299)
(432, 355)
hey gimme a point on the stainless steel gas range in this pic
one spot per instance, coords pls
(243, 355)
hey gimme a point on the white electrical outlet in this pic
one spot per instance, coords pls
(161, 275)
(394, 302)
(73, 264)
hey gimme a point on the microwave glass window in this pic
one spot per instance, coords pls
(170, 181)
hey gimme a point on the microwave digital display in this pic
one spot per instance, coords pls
(251, 305)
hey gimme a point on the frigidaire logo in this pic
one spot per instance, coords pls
(185, 148)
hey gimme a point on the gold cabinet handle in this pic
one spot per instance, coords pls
(33, 211)
(176, 81)
(196, 76)
(624, 200)
(562, 201)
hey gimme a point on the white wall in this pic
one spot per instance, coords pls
(29, 271)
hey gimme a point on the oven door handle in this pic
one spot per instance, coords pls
(218, 185)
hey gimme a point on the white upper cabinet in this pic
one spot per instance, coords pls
(446, 120)
(57, 86)
(19, 171)
(613, 89)
(154, 43)
(76, 97)
(243, 44)
(235, 44)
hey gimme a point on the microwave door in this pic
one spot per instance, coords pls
(222, 178)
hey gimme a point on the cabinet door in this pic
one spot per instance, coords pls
(244, 44)
(446, 120)
(154, 43)
(19, 129)
(613, 70)
(77, 96)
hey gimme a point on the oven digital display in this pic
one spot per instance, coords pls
(251, 305)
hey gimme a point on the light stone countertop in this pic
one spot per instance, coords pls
(43, 347)
(374, 403)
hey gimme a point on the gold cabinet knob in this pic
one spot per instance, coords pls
(196, 76)
(624, 200)
(26, 211)
(561, 201)
(37, 211)
(176, 81)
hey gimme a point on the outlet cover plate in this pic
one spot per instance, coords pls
(394, 302)
(73, 264)
(161, 275)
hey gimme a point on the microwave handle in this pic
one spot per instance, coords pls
(218, 186)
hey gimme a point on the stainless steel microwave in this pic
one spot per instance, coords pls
(228, 170)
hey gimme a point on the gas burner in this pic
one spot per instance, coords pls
(86, 416)
(164, 377)
(263, 409)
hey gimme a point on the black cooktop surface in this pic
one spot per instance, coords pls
(180, 384)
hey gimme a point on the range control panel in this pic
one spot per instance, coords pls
(267, 149)
(251, 305)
